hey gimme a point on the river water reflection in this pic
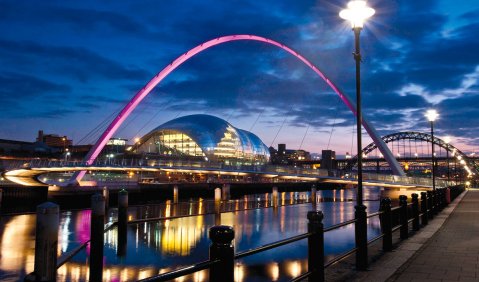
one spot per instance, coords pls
(161, 246)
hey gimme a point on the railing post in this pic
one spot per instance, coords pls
(316, 246)
(386, 224)
(404, 224)
(222, 249)
(96, 237)
(439, 200)
(430, 212)
(415, 211)
(46, 242)
(122, 222)
(434, 202)
(424, 208)
(448, 196)
(443, 198)
(444, 191)
(360, 234)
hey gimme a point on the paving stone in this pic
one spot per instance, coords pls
(447, 249)
(452, 253)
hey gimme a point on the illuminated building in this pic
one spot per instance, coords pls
(204, 137)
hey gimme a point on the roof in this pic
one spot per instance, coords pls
(207, 131)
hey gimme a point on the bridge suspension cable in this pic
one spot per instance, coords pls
(137, 134)
(97, 128)
(281, 127)
(256, 120)
(334, 124)
(304, 136)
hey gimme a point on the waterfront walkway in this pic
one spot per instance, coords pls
(452, 254)
(447, 249)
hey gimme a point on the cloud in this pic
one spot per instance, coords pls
(98, 55)
(468, 81)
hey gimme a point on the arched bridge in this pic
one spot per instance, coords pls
(466, 163)
(140, 95)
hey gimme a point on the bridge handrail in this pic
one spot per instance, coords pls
(272, 169)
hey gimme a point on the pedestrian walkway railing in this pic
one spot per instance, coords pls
(221, 261)
(222, 255)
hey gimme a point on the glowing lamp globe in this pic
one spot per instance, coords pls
(431, 115)
(357, 13)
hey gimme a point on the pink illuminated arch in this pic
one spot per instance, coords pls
(125, 112)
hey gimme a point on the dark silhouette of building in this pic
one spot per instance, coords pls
(55, 141)
(328, 160)
(288, 157)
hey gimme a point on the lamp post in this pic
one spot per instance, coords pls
(432, 116)
(447, 139)
(356, 13)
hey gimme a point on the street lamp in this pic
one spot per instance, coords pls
(356, 13)
(67, 154)
(447, 139)
(432, 115)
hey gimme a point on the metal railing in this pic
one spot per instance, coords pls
(221, 252)
(212, 166)
(221, 265)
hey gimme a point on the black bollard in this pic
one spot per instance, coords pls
(424, 208)
(316, 246)
(404, 224)
(46, 242)
(122, 222)
(430, 212)
(434, 202)
(443, 198)
(415, 211)
(222, 249)
(439, 200)
(447, 197)
(386, 224)
(96, 237)
(361, 237)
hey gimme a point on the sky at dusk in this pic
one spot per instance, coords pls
(68, 67)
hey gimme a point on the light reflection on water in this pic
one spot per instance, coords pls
(158, 247)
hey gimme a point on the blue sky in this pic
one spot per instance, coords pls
(68, 66)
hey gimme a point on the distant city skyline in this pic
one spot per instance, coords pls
(67, 67)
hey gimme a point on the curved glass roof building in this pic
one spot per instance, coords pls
(207, 137)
